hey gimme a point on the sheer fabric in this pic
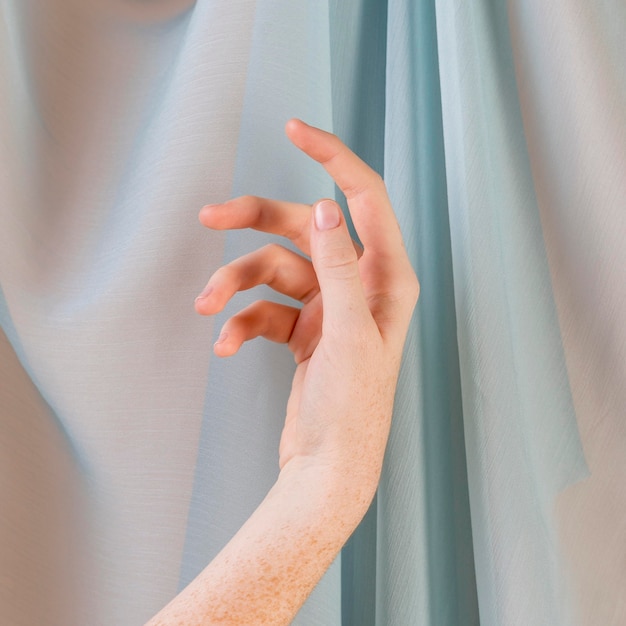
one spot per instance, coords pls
(129, 454)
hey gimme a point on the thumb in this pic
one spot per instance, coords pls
(335, 263)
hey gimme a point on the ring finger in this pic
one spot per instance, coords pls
(281, 269)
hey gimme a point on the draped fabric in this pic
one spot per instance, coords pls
(129, 455)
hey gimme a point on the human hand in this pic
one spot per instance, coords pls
(347, 337)
(347, 341)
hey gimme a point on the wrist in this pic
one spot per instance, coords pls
(330, 487)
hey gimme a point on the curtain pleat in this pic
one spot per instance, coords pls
(129, 455)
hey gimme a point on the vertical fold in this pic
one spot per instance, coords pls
(520, 428)
(425, 558)
(570, 67)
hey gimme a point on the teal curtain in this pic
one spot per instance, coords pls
(129, 455)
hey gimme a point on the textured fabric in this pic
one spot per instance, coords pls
(129, 454)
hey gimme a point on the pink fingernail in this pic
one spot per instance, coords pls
(327, 215)
(222, 338)
(205, 292)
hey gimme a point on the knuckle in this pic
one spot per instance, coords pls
(343, 263)
(413, 287)
(224, 273)
(373, 182)
(377, 180)
(272, 250)
(333, 150)
(409, 292)
(248, 199)
(251, 205)
(406, 285)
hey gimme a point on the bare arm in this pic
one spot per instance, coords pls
(347, 341)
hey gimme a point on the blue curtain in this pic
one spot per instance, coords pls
(129, 455)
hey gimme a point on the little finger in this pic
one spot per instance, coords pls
(260, 319)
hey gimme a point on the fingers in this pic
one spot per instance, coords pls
(381, 286)
(336, 277)
(364, 189)
(389, 282)
(261, 319)
(287, 219)
(275, 266)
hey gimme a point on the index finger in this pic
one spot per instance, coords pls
(364, 188)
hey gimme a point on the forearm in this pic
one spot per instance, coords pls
(268, 569)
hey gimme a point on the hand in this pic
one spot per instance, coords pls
(348, 336)
(347, 340)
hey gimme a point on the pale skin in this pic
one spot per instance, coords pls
(347, 340)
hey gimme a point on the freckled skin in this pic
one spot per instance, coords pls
(267, 571)
(347, 341)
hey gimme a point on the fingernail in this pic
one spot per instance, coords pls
(205, 292)
(222, 338)
(207, 208)
(327, 215)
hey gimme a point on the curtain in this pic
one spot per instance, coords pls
(129, 455)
